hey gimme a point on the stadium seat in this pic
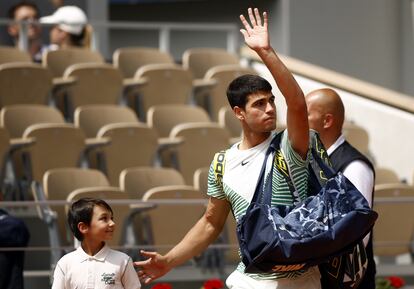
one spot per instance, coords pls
(200, 142)
(357, 136)
(96, 83)
(91, 118)
(24, 83)
(137, 180)
(158, 232)
(129, 59)
(55, 146)
(200, 60)
(164, 117)
(228, 120)
(167, 84)
(131, 145)
(201, 179)
(393, 231)
(13, 54)
(385, 176)
(58, 60)
(16, 118)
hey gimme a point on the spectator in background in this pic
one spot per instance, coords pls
(69, 29)
(13, 233)
(26, 11)
(57, 3)
(326, 115)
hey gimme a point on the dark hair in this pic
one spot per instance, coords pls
(82, 211)
(12, 10)
(243, 86)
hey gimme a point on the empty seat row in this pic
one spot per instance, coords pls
(147, 219)
(156, 79)
(114, 143)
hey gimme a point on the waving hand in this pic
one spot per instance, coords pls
(255, 33)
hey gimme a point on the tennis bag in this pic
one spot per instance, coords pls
(310, 232)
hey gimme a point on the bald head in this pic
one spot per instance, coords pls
(326, 114)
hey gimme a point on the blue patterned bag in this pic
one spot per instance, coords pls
(311, 232)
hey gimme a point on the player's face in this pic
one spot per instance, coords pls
(260, 112)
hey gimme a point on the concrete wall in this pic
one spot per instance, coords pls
(407, 47)
(359, 38)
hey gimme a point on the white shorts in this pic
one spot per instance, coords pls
(310, 280)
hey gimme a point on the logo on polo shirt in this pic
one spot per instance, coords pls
(108, 278)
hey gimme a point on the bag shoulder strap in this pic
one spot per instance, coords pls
(263, 190)
(320, 158)
(219, 163)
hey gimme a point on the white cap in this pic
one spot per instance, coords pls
(70, 19)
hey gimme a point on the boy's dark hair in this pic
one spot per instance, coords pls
(12, 10)
(243, 86)
(82, 211)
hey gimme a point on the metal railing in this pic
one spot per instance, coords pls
(163, 29)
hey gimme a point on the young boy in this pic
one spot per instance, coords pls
(94, 264)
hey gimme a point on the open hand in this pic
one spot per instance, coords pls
(152, 268)
(255, 34)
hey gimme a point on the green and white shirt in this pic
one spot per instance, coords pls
(241, 172)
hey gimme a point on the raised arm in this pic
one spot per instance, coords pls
(256, 36)
(202, 234)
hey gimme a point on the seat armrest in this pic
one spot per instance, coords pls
(134, 82)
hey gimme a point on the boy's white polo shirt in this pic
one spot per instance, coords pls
(107, 269)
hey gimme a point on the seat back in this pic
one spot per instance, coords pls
(58, 60)
(13, 54)
(201, 142)
(96, 83)
(393, 231)
(56, 146)
(136, 181)
(131, 145)
(228, 120)
(16, 118)
(199, 60)
(200, 181)
(167, 84)
(59, 183)
(385, 176)
(24, 83)
(223, 74)
(164, 117)
(129, 59)
(162, 236)
(91, 118)
(121, 211)
(356, 136)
